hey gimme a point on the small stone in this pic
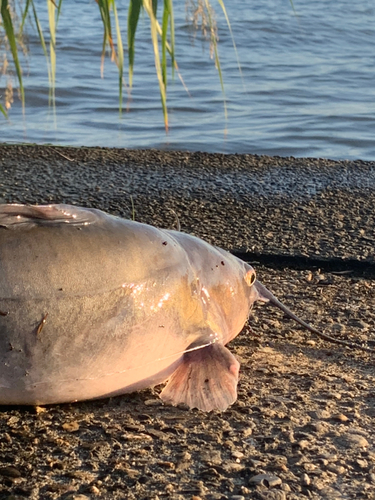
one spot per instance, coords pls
(285, 487)
(237, 454)
(237, 497)
(304, 444)
(40, 409)
(324, 414)
(94, 490)
(153, 402)
(71, 426)
(305, 480)
(309, 467)
(247, 432)
(12, 421)
(334, 395)
(233, 466)
(320, 427)
(372, 477)
(10, 471)
(77, 496)
(166, 464)
(357, 441)
(336, 469)
(311, 343)
(358, 323)
(211, 457)
(337, 327)
(341, 417)
(268, 480)
(362, 463)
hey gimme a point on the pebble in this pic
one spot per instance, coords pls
(323, 414)
(358, 323)
(268, 480)
(285, 487)
(363, 464)
(305, 480)
(304, 444)
(71, 426)
(153, 402)
(356, 441)
(77, 496)
(338, 327)
(10, 471)
(337, 469)
(94, 490)
(341, 417)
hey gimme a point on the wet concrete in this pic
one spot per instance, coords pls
(266, 209)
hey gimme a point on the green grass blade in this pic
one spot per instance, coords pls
(172, 37)
(217, 59)
(164, 42)
(58, 11)
(104, 7)
(24, 15)
(294, 10)
(149, 8)
(52, 46)
(120, 55)
(2, 110)
(9, 30)
(133, 17)
(155, 7)
(42, 41)
(221, 3)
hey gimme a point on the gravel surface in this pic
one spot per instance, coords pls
(303, 423)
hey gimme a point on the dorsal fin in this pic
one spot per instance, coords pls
(15, 216)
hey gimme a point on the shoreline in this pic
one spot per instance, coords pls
(260, 205)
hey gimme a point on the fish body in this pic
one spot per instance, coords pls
(92, 305)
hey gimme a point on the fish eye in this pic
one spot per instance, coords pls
(250, 277)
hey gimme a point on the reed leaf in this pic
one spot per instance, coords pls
(120, 55)
(9, 30)
(162, 38)
(150, 8)
(133, 17)
(105, 12)
(24, 15)
(216, 53)
(51, 6)
(2, 110)
(43, 43)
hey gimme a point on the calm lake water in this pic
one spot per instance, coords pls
(307, 86)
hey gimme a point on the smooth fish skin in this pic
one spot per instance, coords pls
(93, 305)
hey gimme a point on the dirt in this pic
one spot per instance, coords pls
(302, 426)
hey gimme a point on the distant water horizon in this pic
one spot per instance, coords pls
(306, 88)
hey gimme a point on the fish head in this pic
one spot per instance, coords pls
(232, 294)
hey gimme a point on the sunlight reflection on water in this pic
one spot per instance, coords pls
(307, 86)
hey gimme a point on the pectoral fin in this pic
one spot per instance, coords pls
(206, 379)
